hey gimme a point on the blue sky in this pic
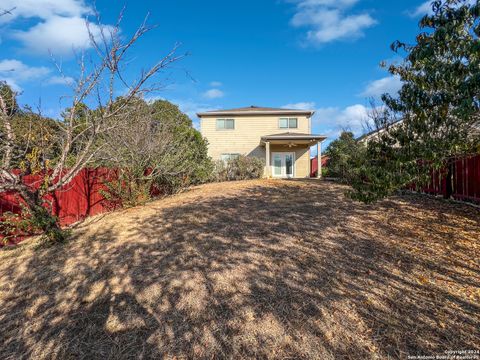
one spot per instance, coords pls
(317, 54)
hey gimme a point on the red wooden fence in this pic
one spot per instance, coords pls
(466, 180)
(314, 165)
(75, 201)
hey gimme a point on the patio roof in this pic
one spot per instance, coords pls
(294, 136)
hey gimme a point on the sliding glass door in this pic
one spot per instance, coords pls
(283, 164)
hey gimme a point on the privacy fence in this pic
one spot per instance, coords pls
(80, 198)
(465, 184)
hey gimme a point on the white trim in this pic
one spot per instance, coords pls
(319, 160)
(283, 175)
(267, 159)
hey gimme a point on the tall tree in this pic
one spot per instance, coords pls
(345, 156)
(98, 82)
(438, 104)
(156, 146)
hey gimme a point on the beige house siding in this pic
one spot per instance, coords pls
(245, 138)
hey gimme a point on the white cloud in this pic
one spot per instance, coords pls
(57, 26)
(21, 71)
(300, 106)
(43, 9)
(59, 35)
(389, 84)
(213, 94)
(426, 8)
(60, 80)
(15, 72)
(328, 20)
(334, 120)
(422, 9)
(216, 84)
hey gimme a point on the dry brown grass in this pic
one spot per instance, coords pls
(258, 269)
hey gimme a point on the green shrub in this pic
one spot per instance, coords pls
(156, 151)
(241, 168)
(346, 157)
(15, 226)
(325, 172)
(128, 189)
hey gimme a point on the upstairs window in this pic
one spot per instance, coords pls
(225, 124)
(288, 123)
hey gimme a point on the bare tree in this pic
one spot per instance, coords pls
(99, 80)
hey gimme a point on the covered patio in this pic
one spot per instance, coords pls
(287, 155)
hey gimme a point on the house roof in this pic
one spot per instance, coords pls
(256, 110)
(371, 133)
(294, 136)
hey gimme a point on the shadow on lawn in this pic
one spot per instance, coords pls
(294, 270)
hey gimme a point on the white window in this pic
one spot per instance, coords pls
(288, 123)
(228, 157)
(225, 124)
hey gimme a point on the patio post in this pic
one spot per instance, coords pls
(319, 159)
(267, 158)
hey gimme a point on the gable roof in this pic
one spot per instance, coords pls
(256, 110)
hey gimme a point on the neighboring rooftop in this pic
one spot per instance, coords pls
(257, 110)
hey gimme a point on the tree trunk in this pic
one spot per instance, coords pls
(449, 181)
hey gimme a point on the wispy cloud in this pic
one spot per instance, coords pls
(60, 80)
(213, 94)
(389, 84)
(334, 119)
(15, 72)
(422, 9)
(426, 8)
(216, 84)
(300, 106)
(330, 20)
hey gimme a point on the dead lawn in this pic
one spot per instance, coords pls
(258, 269)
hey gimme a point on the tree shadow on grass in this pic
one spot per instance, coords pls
(283, 270)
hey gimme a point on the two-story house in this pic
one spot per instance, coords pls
(282, 137)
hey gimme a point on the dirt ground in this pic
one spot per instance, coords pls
(255, 269)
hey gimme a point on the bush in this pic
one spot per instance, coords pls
(325, 172)
(16, 226)
(156, 151)
(127, 189)
(241, 168)
(346, 157)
